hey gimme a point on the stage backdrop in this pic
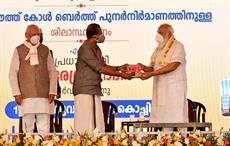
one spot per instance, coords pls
(130, 27)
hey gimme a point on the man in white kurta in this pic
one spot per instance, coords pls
(33, 104)
(168, 66)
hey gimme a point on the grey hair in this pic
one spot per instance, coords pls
(29, 27)
(168, 26)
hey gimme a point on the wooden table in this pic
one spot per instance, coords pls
(129, 124)
(173, 125)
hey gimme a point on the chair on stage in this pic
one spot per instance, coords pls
(196, 111)
(55, 120)
(109, 111)
(191, 111)
(200, 111)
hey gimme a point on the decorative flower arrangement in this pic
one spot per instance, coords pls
(120, 138)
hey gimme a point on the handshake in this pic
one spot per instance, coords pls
(128, 71)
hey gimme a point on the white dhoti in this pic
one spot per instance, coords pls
(87, 117)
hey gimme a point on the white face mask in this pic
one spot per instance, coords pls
(101, 38)
(35, 39)
(159, 38)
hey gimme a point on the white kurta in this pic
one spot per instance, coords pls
(169, 103)
(35, 105)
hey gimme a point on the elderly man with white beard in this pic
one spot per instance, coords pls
(33, 79)
(168, 67)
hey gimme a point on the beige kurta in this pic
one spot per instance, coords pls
(169, 103)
